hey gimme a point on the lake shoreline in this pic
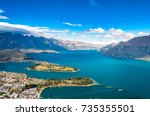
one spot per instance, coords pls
(20, 86)
(39, 96)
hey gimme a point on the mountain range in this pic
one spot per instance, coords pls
(19, 41)
(137, 47)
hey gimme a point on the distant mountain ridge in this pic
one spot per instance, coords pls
(19, 41)
(76, 45)
(137, 47)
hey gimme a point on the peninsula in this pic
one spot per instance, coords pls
(37, 51)
(20, 86)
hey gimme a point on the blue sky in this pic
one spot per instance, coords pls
(97, 21)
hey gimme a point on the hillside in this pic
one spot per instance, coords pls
(137, 47)
(11, 55)
(108, 47)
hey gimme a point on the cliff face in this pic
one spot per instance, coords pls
(137, 47)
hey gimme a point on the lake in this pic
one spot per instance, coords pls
(127, 78)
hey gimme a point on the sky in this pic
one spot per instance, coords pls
(95, 21)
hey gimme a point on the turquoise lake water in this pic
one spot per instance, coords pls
(128, 78)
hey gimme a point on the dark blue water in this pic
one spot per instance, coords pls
(94, 92)
(132, 76)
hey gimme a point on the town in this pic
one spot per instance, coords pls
(20, 86)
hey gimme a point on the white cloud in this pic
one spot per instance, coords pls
(116, 32)
(73, 33)
(143, 34)
(2, 16)
(120, 33)
(97, 35)
(111, 35)
(71, 24)
(31, 30)
(58, 31)
(84, 36)
(98, 30)
(1, 11)
(130, 35)
(108, 36)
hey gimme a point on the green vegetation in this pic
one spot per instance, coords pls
(50, 67)
(18, 85)
(29, 86)
(2, 93)
(79, 81)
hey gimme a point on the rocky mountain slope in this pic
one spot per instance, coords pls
(137, 47)
(108, 47)
(12, 56)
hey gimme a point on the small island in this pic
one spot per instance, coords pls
(20, 86)
(51, 67)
